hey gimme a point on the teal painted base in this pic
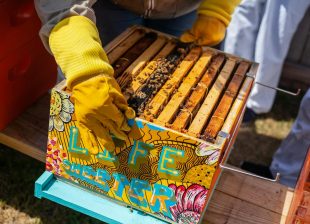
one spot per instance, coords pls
(61, 192)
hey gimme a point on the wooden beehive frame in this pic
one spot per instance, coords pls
(195, 84)
(198, 94)
(189, 101)
(185, 88)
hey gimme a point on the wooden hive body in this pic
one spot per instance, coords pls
(185, 96)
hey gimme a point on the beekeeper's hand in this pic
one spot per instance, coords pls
(100, 107)
(210, 26)
(206, 30)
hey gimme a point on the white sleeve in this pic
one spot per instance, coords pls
(53, 11)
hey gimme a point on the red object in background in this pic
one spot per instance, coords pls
(27, 70)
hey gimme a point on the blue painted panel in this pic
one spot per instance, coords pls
(47, 186)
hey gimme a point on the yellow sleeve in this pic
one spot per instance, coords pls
(220, 9)
(77, 49)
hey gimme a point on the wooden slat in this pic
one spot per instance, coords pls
(242, 199)
(295, 76)
(198, 94)
(28, 133)
(164, 69)
(140, 62)
(165, 92)
(133, 53)
(147, 55)
(209, 103)
(296, 72)
(231, 210)
(226, 102)
(259, 192)
(238, 105)
(125, 45)
(239, 101)
(149, 69)
(184, 90)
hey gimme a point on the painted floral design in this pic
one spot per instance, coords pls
(206, 150)
(60, 112)
(54, 157)
(190, 203)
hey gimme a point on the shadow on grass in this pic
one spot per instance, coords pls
(18, 174)
(285, 107)
(253, 147)
(258, 142)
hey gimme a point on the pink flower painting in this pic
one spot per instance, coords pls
(190, 203)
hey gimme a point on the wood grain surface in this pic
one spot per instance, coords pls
(209, 103)
(144, 75)
(162, 96)
(133, 53)
(241, 199)
(218, 117)
(184, 90)
(197, 96)
(163, 71)
(133, 69)
(124, 46)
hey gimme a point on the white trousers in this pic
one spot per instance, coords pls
(261, 30)
(289, 158)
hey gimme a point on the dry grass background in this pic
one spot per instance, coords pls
(258, 142)
(18, 172)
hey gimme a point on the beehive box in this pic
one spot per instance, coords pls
(189, 102)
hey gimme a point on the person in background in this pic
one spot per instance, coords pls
(290, 156)
(70, 33)
(262, 30)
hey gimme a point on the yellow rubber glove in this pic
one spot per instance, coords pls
(210, 25)
(206, 31)
(100, 107)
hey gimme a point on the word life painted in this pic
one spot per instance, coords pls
(155, 197)
(139, 151)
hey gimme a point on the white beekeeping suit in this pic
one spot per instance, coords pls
(261, 30)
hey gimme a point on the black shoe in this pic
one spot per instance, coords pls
(257, 169)
(249, 116)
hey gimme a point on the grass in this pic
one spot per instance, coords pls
(258, 142)
(18, 172)
(17, 203)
